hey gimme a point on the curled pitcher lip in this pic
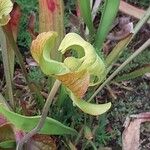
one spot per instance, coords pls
(77, 72)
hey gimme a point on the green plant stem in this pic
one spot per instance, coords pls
(43, 117)
(142, 21)
(7, 70)
(8, 32)
(137, 52)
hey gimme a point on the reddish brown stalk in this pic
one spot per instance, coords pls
(51, 18)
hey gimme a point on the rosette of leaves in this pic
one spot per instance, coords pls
(76, 73)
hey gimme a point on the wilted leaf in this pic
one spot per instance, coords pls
(131, 134)
(25, 123)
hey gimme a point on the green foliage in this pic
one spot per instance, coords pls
(102, 135)
(8, 144)
(36, 75)
(85, 10)
(140, 60)
(24, 39)
(38, 79)
(108, 15)
(51, 126)
(66, 112)
(69, 5)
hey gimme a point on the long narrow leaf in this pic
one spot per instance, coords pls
(8, 144)
(108, 16)
(134, 74)
(86, 13)
(26, 123)
(7, 69)
(117, 51)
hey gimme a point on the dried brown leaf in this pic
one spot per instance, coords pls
(131, 134)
